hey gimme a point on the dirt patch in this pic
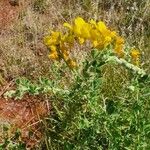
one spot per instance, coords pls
(8, 13)
(25, 115)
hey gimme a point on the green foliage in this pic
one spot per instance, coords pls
(12, 143)
(85, 118)
(23, 86)
(85, 115)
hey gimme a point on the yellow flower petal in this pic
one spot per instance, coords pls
(79, 21)
(47, 40)
(108, 39)
(81, 40)
(65, 56)
(53, 56)
(78, 26)
(53, 48)
(113, 34)
(93, 22)
(95, 44)
(119, 50)
(67, 25)
(135, 53)
(101, 26)
(119, 40)
(72, 64)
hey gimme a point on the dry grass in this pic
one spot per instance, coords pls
(22, 52)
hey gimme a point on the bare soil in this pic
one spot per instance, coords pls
(25, 115)
(8, 14)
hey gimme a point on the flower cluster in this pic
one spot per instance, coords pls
(59, 46)
(97, 33)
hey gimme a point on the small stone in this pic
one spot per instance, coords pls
(14, 2)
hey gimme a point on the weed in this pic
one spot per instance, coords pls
(99, 101)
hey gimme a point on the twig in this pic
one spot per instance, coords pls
(11, 83)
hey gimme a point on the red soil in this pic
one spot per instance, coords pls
(25, 115)
(8, 13)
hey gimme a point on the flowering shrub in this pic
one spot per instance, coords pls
(90, 118)
(85, 114)
(97, 33)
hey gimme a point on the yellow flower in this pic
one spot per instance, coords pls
(53, 39)
(68, 25)
(71, 63)
(94, 34)
(64, 52)
(119, 50)
(68, 38)
(119, 40)
(93, 23)
(82, 29)
(47, 40)
(107, 40)
(65, 56)
(113, 34)
(98, 44)
(135, 54)
(78, 25)
(119, 45)
(81, 40)
(53, 55)
(53, 48)
(101, 34)
(101, 26)
(86, 31)
(95, 44)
